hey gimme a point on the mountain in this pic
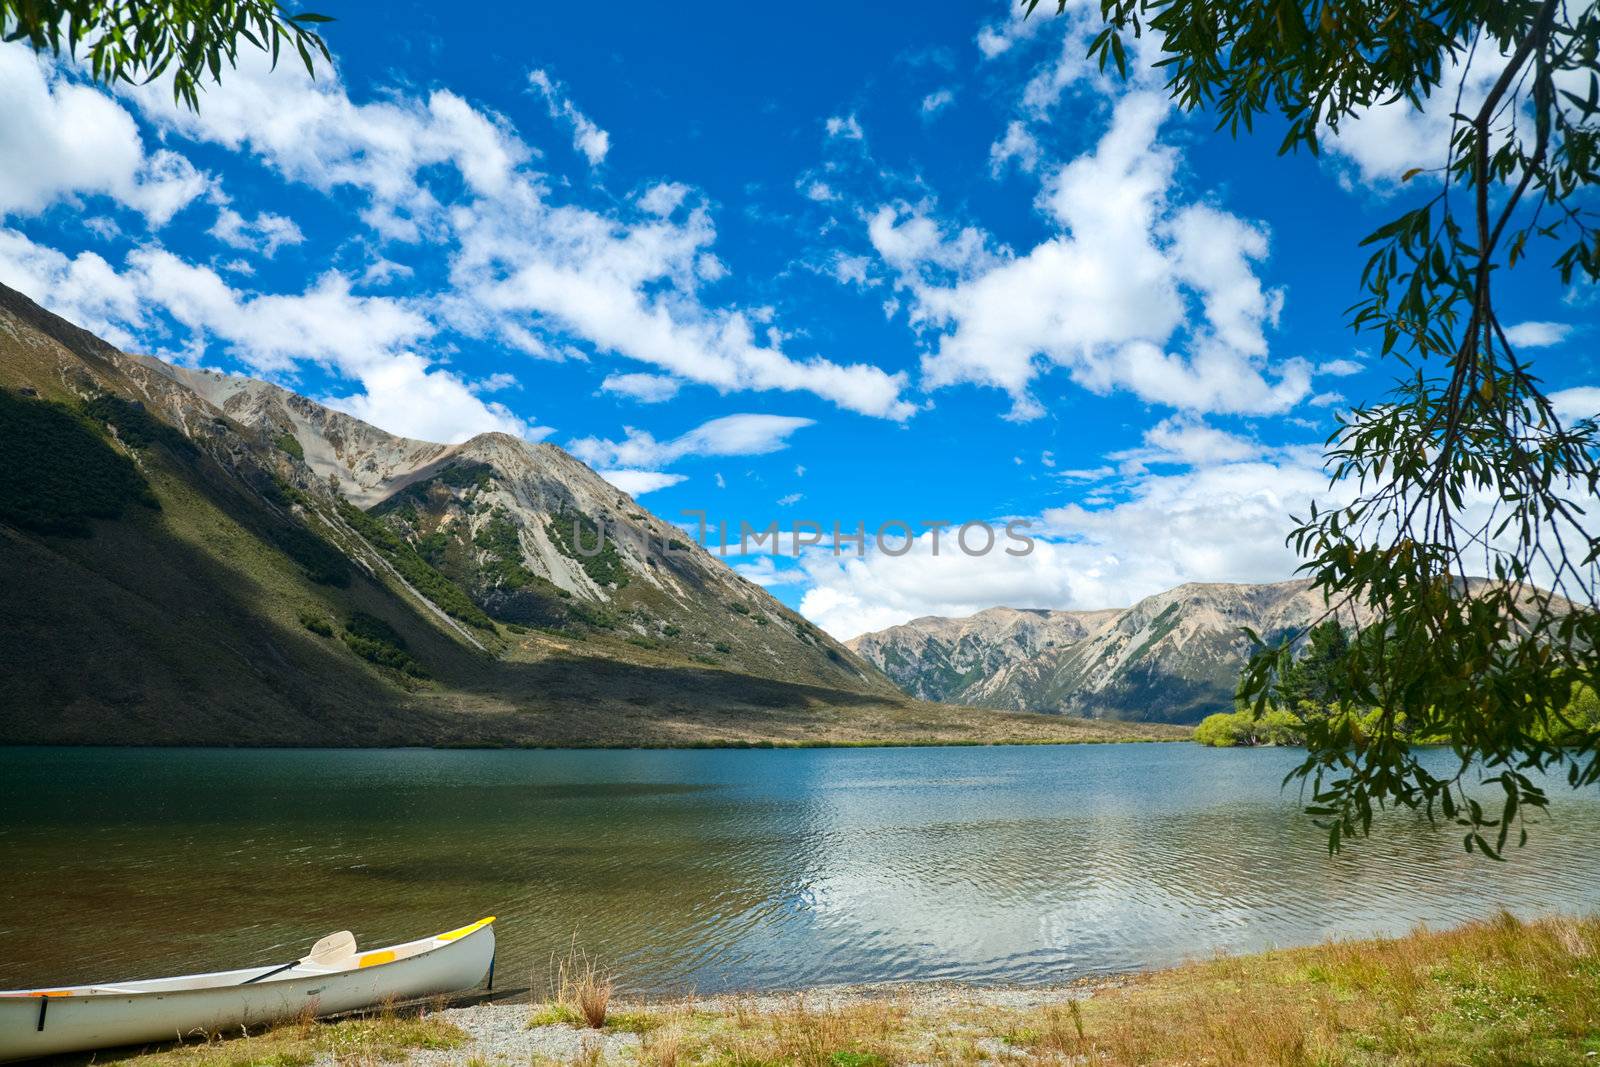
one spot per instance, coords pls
(196, 558)
(1174, 657)
(533, 536)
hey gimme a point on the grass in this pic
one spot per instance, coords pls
(375, 640)
(582, 994)
(1493, 993)
(1496, 992)
(384, 1036)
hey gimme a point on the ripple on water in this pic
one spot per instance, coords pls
(722, 870)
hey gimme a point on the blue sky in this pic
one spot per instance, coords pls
(825, 263)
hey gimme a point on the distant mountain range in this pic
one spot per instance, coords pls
(1174, 657)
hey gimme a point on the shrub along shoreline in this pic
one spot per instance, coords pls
(1276, 726)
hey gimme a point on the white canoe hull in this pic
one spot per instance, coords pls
(89, 1017)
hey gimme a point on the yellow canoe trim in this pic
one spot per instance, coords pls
(372, 959)
(454, 935)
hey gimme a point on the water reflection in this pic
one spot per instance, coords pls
(716, 870)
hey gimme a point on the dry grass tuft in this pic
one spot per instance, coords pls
(581, 988)
(662, 1048)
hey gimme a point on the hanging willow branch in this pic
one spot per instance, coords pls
(137, 41)
(1473, 537)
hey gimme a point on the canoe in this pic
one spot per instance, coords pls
(334, 977)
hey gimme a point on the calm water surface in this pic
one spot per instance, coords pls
(717, 870)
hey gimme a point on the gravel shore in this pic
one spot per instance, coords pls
(498, 1032)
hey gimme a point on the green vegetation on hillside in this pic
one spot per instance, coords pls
(422, 575)
(569, 529)
(1160, 627)
(458, 476)
(135, 426)
(291, 444)
(502, 545)
(511, 592)
(373, 639)
(59, 472)
(321, 562)
(316, 623)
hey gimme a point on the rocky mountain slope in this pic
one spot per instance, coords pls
(531, 535)
(1173, 657)
(196, 558)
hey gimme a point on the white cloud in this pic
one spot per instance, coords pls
(632, 291)
(1109, 295)
(1018, 144)
(997, 38)
(1580, 402)
(790, 499)
(328, 323)
(1223, 521)
(365, 339)
(63, 140)
(1380, 144)
(265, 234)
(637, 483)
(765, 572)
(84, 288)
(315, 134)
(845, 127)
(663, 198)
(851, 270)
(820, 191)
(1071, 67)
(1340, 368)
(497, 382)
(1537, 334)
(381, 271)
(730, 435)
(404, 396)
(587, 137)
(1187, 441)
(645, 388)
(915, 242)
(524, 270)
(936, 102)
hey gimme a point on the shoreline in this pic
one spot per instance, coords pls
(1492, 991)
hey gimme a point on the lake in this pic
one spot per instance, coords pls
(715, 870)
